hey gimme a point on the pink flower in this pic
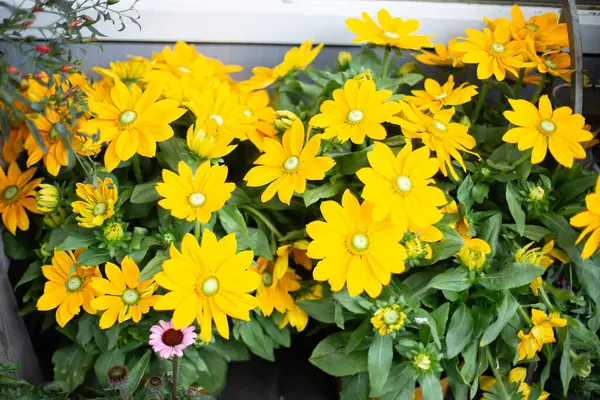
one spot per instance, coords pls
(169, 342)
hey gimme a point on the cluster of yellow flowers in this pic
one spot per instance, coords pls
(542, 332)
(516, 375)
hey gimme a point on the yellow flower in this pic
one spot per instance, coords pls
(473, 254)
(436, 97)
(560, 131)
(222, 106)
(544, 30)
(344, 59)
(528, 345)
(18, 194)
(56, 154)
(208, 141)
(122, 295)
(356, 111)
(277, 282)
(438, 133)
(591, 143)
(97, 204)
(257, 105)
(13, 147)
(363, 77)
(129, 72)
(288, 166)
(132, 121)
(399, 186)
(443, 56)
(393, 31)
(494, 51)
(353, 248)
(462, 225)
(555, 64)
(194, 196)
(295, 58)
(208, 282)
(298, 251)
(297, 317)
(544, 257)
(47, 198)
(68, 287)
(284, 119)
(589, 219)
(388, 319)
(416, 248)
(540, 318)
(516, 375)
(113, 231)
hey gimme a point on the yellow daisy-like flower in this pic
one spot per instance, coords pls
(277, 282)
(208, 282)
(18, 194)
(298, 252)
(56, 154)
(435, 97)
(208, 141)
(552, 320)
(473, 254)
(388, 319)
(398, 186)
(544, 30)
(223, 106)
(129, 72)
(528, 345)
(560, 131)
(257, 104)
(132, 121)
(494, 51)
(68, 287)
(288, 165)
(542, 256)
(555, 64)
(438, 133)
(121, 295)
(356, 111)
(462, 225)
(97, 202)
(590, 219)
(516, 375)
(13, 147)
(354, 248)
(443, 56)
(296, 316)
(295, 58)
(393, 31)
(194, 196)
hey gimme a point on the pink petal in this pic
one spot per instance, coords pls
(166, 325)
(157, 329)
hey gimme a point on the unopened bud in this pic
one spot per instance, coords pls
(74, 24)
(464, 120)
(117, 375)
(284, 120)
(344, 59)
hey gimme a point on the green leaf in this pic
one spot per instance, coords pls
(231, 350)
(136, 373)
(349, 163)
(355, 387)
(380, 358)
(338, 315)
(401, 381)
(17, 247)
(455, 280)
(112, 334)
(255, 240)
(464, 193)
(480, 192)
(330, 356)
(510, 276)
(280, 336)
(321, 310)
(532, 232)
(505, 311)
(430, 386)
(351, 304)
(71, 364)
(324, 191)
(411, 79)
(153, 267)
(94, 256)
(446, 248)
(566, 368)
(491, 231)
(515, 208)
(103, 363)
(358, 336)
(145, 193)
(33, 272)
(431, 323)
(85, 332)
(232, 220)
(214, 379)
(252, 334)
(440, 315)
(574, 188)
(460, 330)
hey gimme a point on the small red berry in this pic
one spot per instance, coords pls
(40, 75)
(42, 49)
(37, 9)
(87, 18)
(66, 68)
(75, 23)
(13, 70)
(23, 75)
(26, 24)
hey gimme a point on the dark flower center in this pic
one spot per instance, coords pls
(172, 337)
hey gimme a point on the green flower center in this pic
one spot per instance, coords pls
(550, 64)
(267, 278)
(74, 283)
(439, 125)
(291, 163)
(218, 119)
(10, 192)
(498, 47)
(130, 297)
(99, 209)
(184, 70)
(403, 183)
(127, 117)
(532, 27)
(537, 193)
(210, 286)
(391, 35)
(547, 126)
(391, 317)
(441, 96)
(359, 241)
(354, 116)
(422, 361)
(196, 199)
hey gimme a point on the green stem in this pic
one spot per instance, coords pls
(519, 83)
(497, 375)
(480, 101)
(197, 229)
(524, 314)
(546, 299)
(386, 57)
(573, 354)
(263, 219)
(137, 170)
(538, 92)
(524, 157)
(175, 371)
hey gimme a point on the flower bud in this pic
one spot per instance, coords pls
(44, 252)
(155, 383)
(112, 2)
(422, 361)
(344, 59)
(582, 366)
(365, 76)
(75, 23)
(25, 24)
(113, 231)
(55, 219)
(168, 238)
(537, 193)
(464, 120)
(407, 68)
(284, 120)
(47, 198)
(485, 171)
(117, 375)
